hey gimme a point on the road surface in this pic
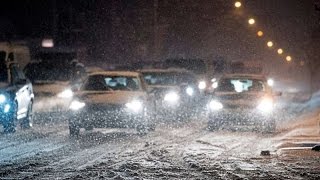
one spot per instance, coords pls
(173, 151)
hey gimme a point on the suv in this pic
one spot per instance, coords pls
(242, 100)
(175, 92)
(16, 98)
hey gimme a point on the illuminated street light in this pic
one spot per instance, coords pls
(280, 51)
(251, 21)
(237, 4)
(260, 33)
(289, 58)
(270, 44)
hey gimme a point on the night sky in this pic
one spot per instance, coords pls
(116, 31)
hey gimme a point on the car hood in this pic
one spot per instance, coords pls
(50, 88)
(251, 99)
(163, 88)
(111, 97)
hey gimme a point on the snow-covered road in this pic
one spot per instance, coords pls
(177, 151)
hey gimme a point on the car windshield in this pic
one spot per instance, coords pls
(241, 85)
(168, 78)
(112, 83)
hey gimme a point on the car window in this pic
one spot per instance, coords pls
(240, 85)
(112, 83)
(168, 78)
(10, 57)
(16, 73)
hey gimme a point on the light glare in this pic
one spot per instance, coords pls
(280, 51)
(2, 98)
(251, 21)
(260, 33)
(289, 58)
(76, 105)
(237, 4)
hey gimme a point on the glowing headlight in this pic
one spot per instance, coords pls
(6, 108)
(202, 85)
(171, 97)
(76, 105)
(266, 105)
(2, 98)
(134, 105)
(214, 85)
(270, 82)
(215, 105)
(66, 94)
(189, 91)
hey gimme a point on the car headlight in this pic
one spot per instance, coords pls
(202, 85)
(2, 98)
(215, 105)
(266, 105)
(6, 108)
(189, 91)
(270, 82)
(66, 94)
(171, 97)
(135, 105)
(76, 105)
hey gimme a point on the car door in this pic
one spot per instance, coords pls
(22, 90)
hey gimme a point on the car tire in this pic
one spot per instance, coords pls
(9, 125)
(27, 122)
(74, 130)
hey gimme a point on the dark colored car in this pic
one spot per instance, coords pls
(175, 92)
(16, 98)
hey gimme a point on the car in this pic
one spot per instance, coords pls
(116, 99)
(175, 92)
(242, 100)
(53, 82)
(16, 98)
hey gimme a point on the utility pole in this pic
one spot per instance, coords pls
(155, 30)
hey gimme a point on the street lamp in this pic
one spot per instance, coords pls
(270, 44)
(289, 58)
(280, 51)
(260, 33)
(237, 4)
(251, 21)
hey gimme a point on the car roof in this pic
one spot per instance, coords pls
(253, 76)
(178, 70)
(115, 73)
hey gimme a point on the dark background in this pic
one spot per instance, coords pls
(120, 31)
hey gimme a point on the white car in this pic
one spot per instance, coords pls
(52, 84)
(242, 100)
(16, 98)
(116, 99)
